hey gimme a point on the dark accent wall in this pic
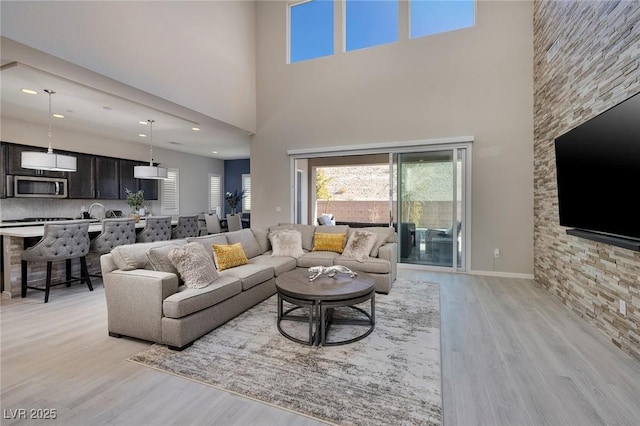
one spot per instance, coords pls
(233, 171)
(586, 60)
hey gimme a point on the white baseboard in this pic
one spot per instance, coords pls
(472, 272)
(502, 274)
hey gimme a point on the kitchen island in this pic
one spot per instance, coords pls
(16, 239)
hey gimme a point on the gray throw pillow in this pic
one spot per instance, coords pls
(359, 245)
(194, 264)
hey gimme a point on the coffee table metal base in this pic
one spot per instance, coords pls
(321, 318)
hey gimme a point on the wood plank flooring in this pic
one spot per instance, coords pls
(511, 355)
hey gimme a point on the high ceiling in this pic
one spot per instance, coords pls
(109, 93)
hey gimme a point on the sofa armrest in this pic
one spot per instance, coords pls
(134, 301)
(389, 251)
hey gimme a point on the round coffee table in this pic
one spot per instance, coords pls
(321, 296)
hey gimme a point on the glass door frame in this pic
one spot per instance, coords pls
(391, 148)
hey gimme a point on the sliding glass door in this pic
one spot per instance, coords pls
(421, 191)
(430, 205)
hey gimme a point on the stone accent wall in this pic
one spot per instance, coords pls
(586, 60)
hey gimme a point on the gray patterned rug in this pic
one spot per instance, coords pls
(391, 377)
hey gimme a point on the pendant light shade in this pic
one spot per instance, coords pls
(150, 171)
(48, 160)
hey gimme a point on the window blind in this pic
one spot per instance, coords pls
(215, 192)
(170, 201)
(246, 185)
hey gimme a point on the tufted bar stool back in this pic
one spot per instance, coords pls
(115, 232)
(64, 240)
(157, 228)
(187, 227)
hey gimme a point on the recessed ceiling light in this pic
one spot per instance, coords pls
(57, 115)
(29, 91)
(195, 129)
(142, 135)
(108, 108)
(142, 122)
(214, 152)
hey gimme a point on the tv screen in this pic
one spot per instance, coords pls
(598, 167)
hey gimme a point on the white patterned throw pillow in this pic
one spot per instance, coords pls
(286, 242)
(359, 245)
(194, 264)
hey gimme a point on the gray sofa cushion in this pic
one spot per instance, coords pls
(189, 300)
(159, 258)
(373, 265)
(280, 265)
(247, 240)
(262, 238)
(134, 256)
(208, 241)
(317, 258)
(249, 274)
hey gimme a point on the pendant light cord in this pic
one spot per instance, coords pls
(151, 142)
(50, 92)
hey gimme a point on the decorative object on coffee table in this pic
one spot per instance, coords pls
(330, 271)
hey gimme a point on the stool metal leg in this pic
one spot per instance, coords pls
(84, 272)
(48, 285)
(68, 272)
(24, 278)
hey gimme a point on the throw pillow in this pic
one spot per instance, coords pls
(329, 242)
(194, 265)
(286, 242)
(159, 258)
(359, 245)
(229, 255)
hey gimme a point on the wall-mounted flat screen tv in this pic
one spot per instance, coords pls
(598, 165)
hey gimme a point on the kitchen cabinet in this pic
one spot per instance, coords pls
(107, 178)
(82, 182)
(149, 186)
(127, 181)
(3, 170)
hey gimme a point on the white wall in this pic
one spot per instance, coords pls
(199, 54)
(194, 169)
(476, 81)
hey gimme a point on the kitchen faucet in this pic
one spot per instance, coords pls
(96, 204)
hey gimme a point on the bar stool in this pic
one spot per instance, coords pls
(65, 240)
(115, 232)
(157, 228)
(187, 227)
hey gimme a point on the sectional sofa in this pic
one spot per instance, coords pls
(147, 300)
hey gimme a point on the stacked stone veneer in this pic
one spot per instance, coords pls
(586, 60)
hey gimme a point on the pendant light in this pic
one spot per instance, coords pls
(48, 160)
(150, 171)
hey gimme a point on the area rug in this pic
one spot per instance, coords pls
(391, 377)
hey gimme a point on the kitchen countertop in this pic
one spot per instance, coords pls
(38, 230)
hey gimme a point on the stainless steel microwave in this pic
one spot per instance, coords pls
(37, 187)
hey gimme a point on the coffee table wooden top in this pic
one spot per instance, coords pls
(296, 284)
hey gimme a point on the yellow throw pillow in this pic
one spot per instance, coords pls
(229, 255)
(329, 242)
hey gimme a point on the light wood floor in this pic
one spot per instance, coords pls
(511, 355)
